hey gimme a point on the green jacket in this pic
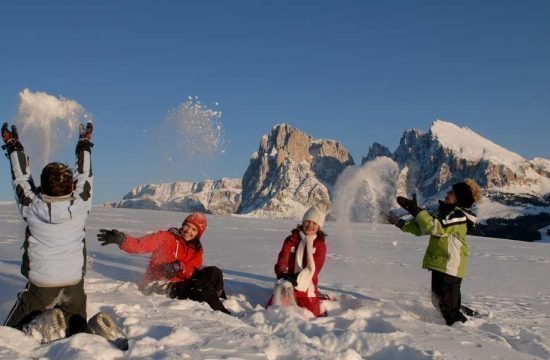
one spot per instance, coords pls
(447, 250)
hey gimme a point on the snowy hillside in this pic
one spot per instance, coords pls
(469, 145)
(216, 197)
(381, 307)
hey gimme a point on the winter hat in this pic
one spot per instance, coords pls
(467, 193)
(315, 214)
(198, 220)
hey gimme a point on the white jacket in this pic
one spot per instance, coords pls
(55, 249)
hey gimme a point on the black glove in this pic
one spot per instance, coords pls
(409, 204)
(172, 269)
(85, 137)
(11, 139)
(292, 278)
(110, 237)
(400, 223)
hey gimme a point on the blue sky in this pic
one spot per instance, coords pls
(354, 71)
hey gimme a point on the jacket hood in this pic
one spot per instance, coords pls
(55, 209)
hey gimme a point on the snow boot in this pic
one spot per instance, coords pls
(103, 325)
(47, 327)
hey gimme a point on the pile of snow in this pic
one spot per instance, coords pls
(381, 307)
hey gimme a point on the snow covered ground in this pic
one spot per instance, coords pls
(381, 307)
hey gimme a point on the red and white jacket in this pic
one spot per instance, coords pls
(166, 247)
(286, 261)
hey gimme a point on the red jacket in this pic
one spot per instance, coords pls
(287, 257)
(166, 248)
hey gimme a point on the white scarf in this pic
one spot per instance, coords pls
(305, 275)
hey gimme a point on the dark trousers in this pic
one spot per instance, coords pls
(33, 300)
(206, 285)
(446, 296)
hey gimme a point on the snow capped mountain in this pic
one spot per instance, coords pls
(516, 191)
(290, 172)
(431, 162)
(216, 197)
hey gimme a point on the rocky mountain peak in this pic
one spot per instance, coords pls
(291, 171)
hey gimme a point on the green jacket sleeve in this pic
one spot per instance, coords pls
(412, 228)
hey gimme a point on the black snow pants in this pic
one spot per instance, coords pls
(206, 285)
(33, 300)
(446, 296)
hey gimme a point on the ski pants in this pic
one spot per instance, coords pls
(446, 296)
(33, 300)
(206, 285)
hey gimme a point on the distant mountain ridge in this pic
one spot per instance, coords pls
(292, 171)
(218, 197)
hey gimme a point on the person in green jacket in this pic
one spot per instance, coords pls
(447, 253)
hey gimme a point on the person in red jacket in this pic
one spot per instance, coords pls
(176, 260)
(302, 258)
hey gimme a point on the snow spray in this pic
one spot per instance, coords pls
(47, 122)
(366, 193)
(199, 128)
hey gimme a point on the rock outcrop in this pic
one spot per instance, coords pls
(431, 162)
(290, 172)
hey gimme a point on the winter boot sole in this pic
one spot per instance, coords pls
(47, 327)
(103, 325)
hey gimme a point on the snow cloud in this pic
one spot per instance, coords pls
(199, 129)
(47, 122)
(366, 193)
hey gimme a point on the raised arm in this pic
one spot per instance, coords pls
(23, 185)
(83, 174)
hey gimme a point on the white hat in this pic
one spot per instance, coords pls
(315, 214)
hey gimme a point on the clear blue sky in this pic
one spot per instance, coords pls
(353, 71)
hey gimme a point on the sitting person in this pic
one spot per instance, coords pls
(177, 256)
(301, 260)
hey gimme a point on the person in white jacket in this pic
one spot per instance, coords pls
(54, 258)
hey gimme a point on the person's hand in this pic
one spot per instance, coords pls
(10, 139)
(400, 223)
(409, 204)
(107, 237)
(85, 133)
(292, 278)
(172, 269)
(85, 137)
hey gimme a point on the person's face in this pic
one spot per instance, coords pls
(189, 231)
(310, 227)
(450, 198)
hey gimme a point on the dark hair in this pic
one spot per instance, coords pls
(195, 243)
(320, 233)
(56, 179)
